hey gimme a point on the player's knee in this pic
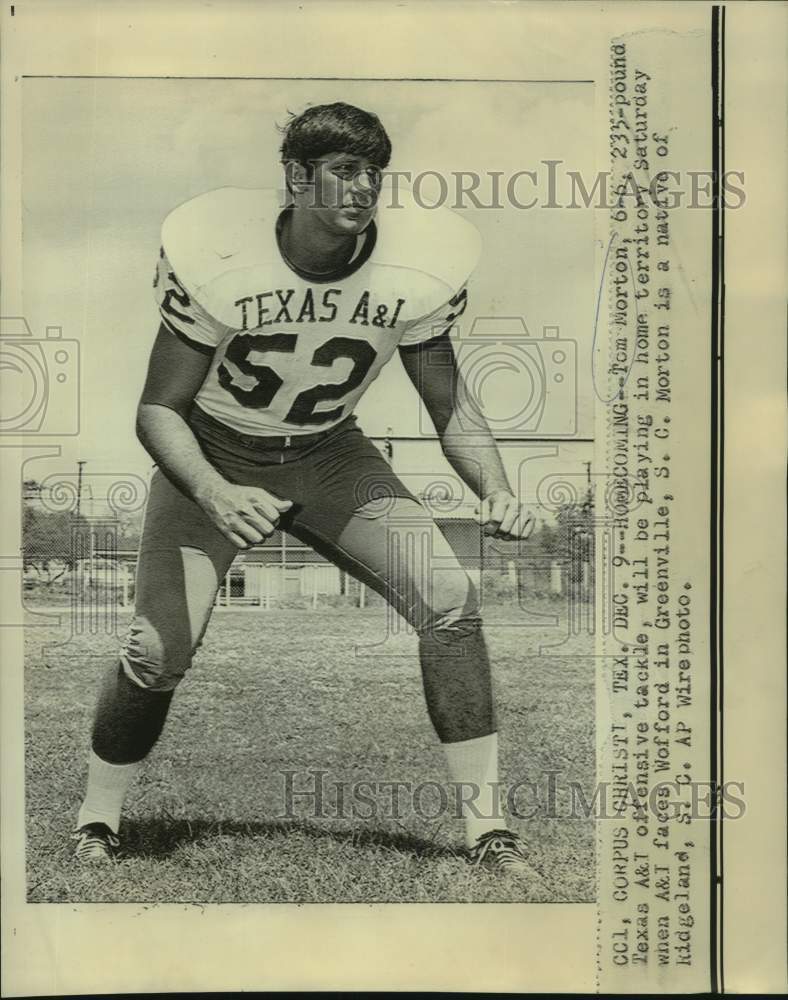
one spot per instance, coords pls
(150, 659)
(456, 613)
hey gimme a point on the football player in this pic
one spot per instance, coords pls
(273, 324)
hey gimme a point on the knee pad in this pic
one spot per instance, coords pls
(456, 615)
(455, 624)
(152, 661)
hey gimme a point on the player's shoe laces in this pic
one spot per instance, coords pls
(500, 849)
(95, 842)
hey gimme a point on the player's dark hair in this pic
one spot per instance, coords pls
(335, 128)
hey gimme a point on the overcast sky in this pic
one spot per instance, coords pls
(106, 160)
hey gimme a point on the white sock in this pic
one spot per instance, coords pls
(107, 787)
(474, 763)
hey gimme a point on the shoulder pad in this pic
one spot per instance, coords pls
(434, 241)
(202, 236)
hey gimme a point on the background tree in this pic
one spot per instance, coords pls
(47, 536)
(575, 539)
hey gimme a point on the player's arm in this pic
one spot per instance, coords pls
(464, 434)
(244, 514)
(175, 373)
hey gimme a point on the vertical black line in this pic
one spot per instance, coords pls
(721, 670)
(716, 498)
(715, 11)
(721, 507)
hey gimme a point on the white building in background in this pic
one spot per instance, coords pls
(264, 582)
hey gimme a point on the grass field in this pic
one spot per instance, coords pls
(286, 691)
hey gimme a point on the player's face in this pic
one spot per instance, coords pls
(346, 189)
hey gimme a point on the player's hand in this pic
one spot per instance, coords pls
(503, 516)
(245, 515)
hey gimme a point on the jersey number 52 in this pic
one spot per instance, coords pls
(268, 382)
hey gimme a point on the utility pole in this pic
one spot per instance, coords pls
(589, 497)
(80, 465)
(587, 555)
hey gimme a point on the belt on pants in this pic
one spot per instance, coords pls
(266, 442)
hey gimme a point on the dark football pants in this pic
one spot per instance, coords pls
(347, 504)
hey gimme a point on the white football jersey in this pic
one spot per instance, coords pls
(293, 353)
